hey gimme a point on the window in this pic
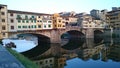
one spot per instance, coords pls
(24, 26)
(23, 21)
(34, 21)
(49, 25)
(37, 20)
(44, 26)
(50, 60)
(32, 16)
(55, 25)
(28, 26)
(27, 21)
(38, 16)
(60, 25)
(26, 17)
(34, 26)
(11, 14)
(63, 25)
(19, 26)
(19, 21)
(40, 21)
(2, 13)
(49, 21)
(3, 28)
(12, 27)
(3, 20)
(18, 17)
(39, 26)
(12, 20)
(59, 20)
(3, 34)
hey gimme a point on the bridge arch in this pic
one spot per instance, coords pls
(73, 33)
(76, 39)
(40, 37)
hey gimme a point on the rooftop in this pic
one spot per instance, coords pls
(26, 12)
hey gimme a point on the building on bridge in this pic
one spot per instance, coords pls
(44, 22)
(87, 21)
(16, 21)
(113, 18)
(58, 22)
(3, 21)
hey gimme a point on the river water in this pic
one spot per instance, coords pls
(77, 53)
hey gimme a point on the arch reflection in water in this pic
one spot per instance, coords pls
(98, 36)
(43, 45)
(74, 43)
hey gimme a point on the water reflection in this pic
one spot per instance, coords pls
(78, 51)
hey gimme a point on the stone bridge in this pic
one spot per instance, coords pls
(55, 34)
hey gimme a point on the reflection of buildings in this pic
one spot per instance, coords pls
(51, 62)
(114, 53)
(90, 52)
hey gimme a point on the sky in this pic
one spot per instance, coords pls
(56, 6)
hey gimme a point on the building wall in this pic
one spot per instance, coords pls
(39, 23)
(58, 22)
(113, 19)
(88, 22)
(45, 22)
(103, 14)
(70, 20)
(12, 22)
(3, 22)
(26, 22)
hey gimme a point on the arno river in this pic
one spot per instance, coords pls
(77, 53)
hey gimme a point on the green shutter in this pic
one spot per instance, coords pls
(34, 26)
(23, 21)
(27, 21)
(19, 21)
(49, 25)
(19, 26)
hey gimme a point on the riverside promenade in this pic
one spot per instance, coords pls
(7, 60)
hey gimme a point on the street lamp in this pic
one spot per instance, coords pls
(0, 21)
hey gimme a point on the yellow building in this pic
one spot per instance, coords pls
(58, 22)
(3, 21)
(39, 23)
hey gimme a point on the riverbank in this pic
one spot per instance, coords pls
(25, 61)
